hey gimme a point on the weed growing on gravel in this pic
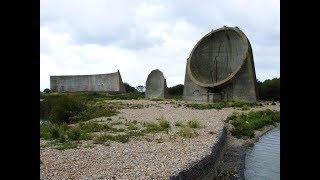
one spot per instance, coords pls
(152, 127)
(112, 129)
(100, 139)
(187, 132)
(67, 145)
(245, 124)
(107, 137)
(163, 123)
(132, 126)
(89, 127)
(135, 133)
(194, 123)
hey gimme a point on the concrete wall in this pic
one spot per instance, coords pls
(206, 167)
(100, 82)
(243, 86)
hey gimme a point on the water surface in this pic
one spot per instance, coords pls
(263, 159)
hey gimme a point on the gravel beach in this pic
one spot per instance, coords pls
(158, 156)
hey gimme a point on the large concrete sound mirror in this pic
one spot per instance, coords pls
(221, 67)
(156, 86)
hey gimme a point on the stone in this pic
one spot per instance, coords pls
(111, 82)
(156, 86)
(221, 67)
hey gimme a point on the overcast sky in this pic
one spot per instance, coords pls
(135, 37)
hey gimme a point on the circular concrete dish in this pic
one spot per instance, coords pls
(218, 56)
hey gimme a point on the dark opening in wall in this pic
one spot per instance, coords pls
(213, 90)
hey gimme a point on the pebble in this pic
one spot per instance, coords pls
(139, 159)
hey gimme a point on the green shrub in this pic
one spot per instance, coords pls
(95, 112)
(245, 124)
(242, 130)
(233, 116)
(53, 131)
(74, 134)
(65, 108)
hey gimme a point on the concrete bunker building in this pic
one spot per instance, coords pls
(221, 67)
(111, 82)
(156, 85)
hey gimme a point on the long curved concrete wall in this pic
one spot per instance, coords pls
(100, 82)
(206, 165)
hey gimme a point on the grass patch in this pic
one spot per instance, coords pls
(89, 127)
(112, 129)
(245, 124)
(194, 123)
(101, 139)
(67, 145)
(187, 132)
(152, 127)
(135, 133)
(218, 105)
(245, 108)
(73, 107)
(95, 112)
(53, 131)
(163, 123)
(132, 126)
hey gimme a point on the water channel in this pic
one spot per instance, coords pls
(263, 159)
